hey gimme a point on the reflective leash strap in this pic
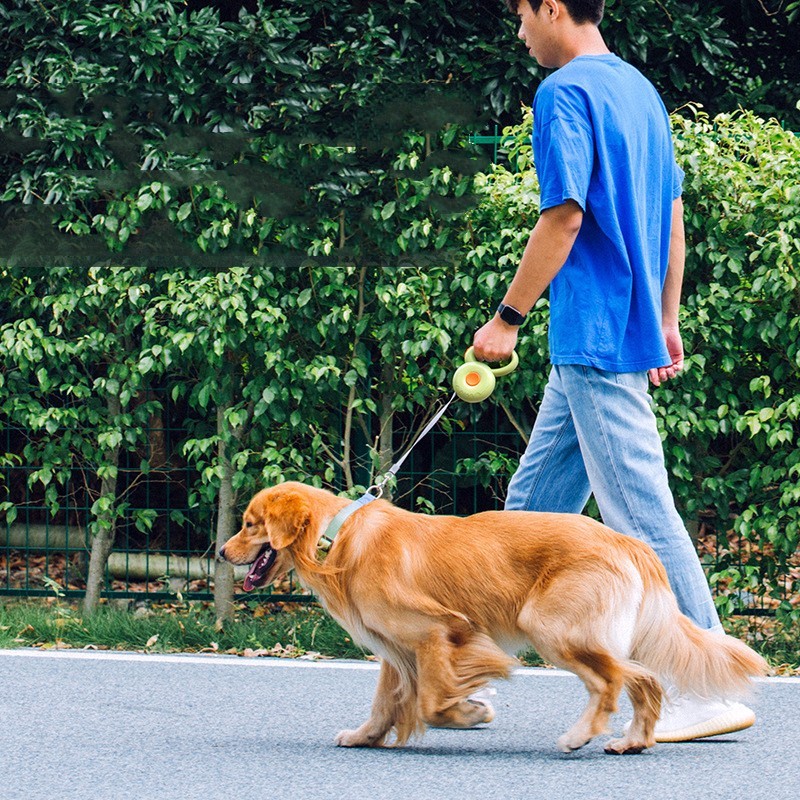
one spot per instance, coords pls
(326, 540)
(392, 471)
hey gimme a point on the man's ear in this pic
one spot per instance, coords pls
(287, 517)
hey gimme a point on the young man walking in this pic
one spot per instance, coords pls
(610, 245)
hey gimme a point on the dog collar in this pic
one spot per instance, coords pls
(326, 540)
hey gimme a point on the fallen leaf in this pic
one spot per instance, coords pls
(310, 656)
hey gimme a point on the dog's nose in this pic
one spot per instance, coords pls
(221, 554)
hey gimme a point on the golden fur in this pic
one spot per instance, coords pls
(441, 599)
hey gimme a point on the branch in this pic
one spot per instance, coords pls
(513, 420)
(769, 13)
(732, 456)
(325, 449)
(239, 433)
(664, 9)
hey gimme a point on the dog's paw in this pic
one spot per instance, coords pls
(623, 747)
(355, 739)
(485, 711)
(571, 741)
(348, 739)
(462, 715)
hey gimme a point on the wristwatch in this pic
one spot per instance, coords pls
(510, 315)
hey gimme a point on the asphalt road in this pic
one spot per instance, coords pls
(103, 726)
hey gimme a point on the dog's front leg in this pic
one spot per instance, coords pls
(384, 715)
(442, 693)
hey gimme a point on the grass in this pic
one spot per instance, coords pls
(259, 629)
(169, 628)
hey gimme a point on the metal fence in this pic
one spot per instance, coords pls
(45, 549)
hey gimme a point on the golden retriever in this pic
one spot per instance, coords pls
(443, 599)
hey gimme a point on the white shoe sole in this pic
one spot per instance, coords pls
(737, 719)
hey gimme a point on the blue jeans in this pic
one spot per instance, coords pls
(596, 434)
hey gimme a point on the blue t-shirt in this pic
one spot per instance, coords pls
(601, 137)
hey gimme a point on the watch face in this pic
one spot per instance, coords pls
(510, 315)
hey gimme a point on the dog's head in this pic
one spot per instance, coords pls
(275, 519)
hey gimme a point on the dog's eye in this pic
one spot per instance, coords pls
(248, 524)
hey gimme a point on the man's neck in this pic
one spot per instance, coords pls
(584, 40)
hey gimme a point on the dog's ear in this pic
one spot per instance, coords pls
(288, 516)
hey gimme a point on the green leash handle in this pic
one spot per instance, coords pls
(498, 372)
(475, 380)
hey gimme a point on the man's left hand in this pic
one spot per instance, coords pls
(674, 343)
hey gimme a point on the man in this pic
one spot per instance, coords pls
(610, 245)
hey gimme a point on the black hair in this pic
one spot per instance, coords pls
(579, 10)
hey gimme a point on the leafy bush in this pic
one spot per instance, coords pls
(732, 421)
(319, 372)
(307, 247)
(147, 121)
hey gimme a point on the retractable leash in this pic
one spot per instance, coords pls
(473, 382)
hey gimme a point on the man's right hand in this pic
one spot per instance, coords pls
(495, 341)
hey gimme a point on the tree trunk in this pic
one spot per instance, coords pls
(104, 524)
(347, 454)
(226, 526)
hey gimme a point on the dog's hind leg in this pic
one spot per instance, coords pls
(569, 645)
(392, 706)
(645, 693)
(603, 677)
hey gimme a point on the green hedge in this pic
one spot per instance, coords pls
(279, 222)
(734, 419)
(319, 372)
(154, 128)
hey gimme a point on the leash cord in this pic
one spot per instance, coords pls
(392, 471)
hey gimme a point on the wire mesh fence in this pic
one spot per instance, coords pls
(164, 544)
(45, 549)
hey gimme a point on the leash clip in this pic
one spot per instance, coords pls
(377, 488)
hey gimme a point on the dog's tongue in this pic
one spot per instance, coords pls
(248, 585)
(258, 572)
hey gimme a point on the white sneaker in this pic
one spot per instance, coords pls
(481, 697)
(689, 717)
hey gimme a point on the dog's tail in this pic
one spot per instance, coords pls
(693, 660)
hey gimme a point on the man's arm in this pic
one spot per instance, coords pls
(548, 247)
(671, 299)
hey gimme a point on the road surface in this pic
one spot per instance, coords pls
(106, 726)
